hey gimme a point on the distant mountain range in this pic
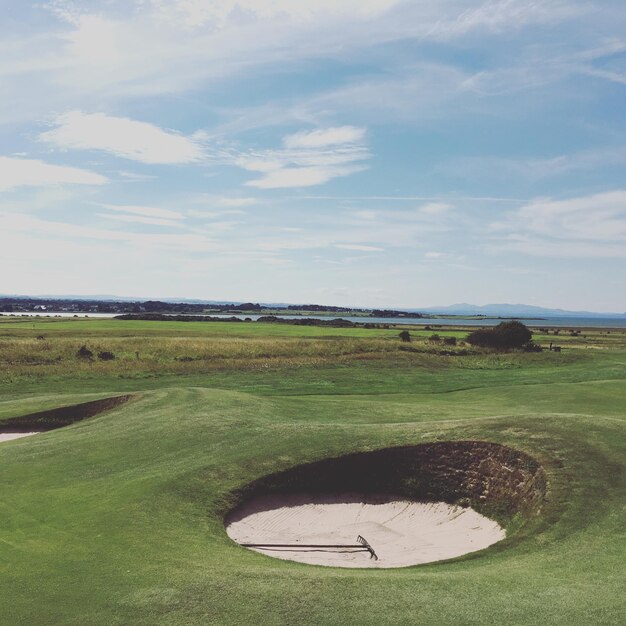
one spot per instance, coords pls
(512, 310)
(491, 310)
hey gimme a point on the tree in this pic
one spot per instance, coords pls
(505, 336)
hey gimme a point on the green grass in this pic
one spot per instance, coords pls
(117, 519)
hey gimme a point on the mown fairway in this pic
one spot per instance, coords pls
(118, 519)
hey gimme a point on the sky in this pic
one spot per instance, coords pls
(381, 153)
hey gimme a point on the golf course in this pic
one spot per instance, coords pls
(151, 433)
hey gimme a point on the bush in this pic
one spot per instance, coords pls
(84, 353)
(505, 336)
(405, 336)
(435, 337)
(531, 346)
(105, 355)
(449, 341)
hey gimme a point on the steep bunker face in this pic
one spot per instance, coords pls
(390, 508)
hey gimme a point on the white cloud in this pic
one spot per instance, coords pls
(123, 137)
(586, 226)
(134, 177)
(309, 158)
(35, 173)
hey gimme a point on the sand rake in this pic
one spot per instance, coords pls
(361, 545)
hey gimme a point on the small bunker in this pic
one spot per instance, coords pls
(43, 421)
(393, 507)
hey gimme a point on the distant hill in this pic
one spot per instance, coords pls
(513, 310)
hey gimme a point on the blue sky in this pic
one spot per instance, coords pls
(365, 152)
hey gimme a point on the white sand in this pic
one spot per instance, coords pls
(10, 436)
(401, 532)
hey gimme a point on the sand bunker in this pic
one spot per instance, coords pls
(51, 419)
(323, 504)
(10, 436)
(400, 532)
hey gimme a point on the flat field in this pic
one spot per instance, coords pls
(118, 519)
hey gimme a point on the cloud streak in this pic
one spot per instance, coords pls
(122, 137)
(586, 226)
(146, 211)
(35, 173)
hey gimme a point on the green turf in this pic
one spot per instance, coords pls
(117, 519)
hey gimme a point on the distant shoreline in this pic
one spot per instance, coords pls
(434, 323)
(271, 312)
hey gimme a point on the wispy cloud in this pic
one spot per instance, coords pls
(324, 137)
(585, 226)
(35, 173)
(497, 16)
(532, 168)
(146, 211)
(11, 223)
(358, 247)
(122, 137)
(105, 50)
(431, 215)
(139, 219)
(201, 214)
(532, 246)
(288, 177)
(236, 202)
(196, 13)
(148, 47)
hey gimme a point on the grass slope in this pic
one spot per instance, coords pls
(118, 519)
